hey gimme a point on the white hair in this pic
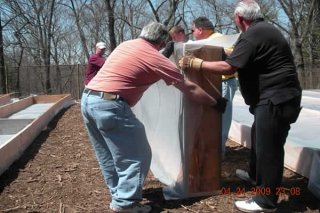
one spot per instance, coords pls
(248, 9)
(154, 32)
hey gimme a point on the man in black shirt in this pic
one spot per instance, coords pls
(270, 86)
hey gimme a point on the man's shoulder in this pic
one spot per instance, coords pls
(94, 55)
(215, 35)
(131, 41)
(137, 43)
(96, 58)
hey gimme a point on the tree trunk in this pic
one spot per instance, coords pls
(112, 36)
(79, 27)
(18, 70)
(48, 50)
(3, 86)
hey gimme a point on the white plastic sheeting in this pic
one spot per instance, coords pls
(302, 148)
(224, 41)
(160, 109)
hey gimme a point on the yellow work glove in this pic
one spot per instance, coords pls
(190, 63)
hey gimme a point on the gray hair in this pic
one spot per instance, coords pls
(154, 32)
(248, 9)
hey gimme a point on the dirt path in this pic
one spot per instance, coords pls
(59, 173)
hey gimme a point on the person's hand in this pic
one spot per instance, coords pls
(190, 63)
(221, 104)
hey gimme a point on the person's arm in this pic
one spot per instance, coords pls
(196, 93)
(218, 67)
(96, 60)
(168, 50)
(197, 64)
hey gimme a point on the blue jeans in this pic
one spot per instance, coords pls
(229, 88)
(120, 144)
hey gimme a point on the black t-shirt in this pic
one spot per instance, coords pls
(265, 65)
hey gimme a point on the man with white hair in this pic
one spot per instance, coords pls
(117, 136)
(95, 62)
(270, 86)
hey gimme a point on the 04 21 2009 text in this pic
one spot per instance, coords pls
(292, 191)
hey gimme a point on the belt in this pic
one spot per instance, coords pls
(103, 95)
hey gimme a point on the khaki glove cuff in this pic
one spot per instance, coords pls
(196, 64)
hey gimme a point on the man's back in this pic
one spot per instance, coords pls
(94, 64)
(131, 68)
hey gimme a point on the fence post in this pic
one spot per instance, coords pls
(78, 81)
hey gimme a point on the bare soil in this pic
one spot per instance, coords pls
(59, 173)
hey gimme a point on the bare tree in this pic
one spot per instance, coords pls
(220, 13)
(47, 52)
(2, 68)
(33, 31)
(300, 17)
(66, 31)
(130, 17)
(111, 20)
(77, 11)
(171, 8)
(11, 19)
(3, 85)
(313, 40)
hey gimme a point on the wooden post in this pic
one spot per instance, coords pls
(203, 132)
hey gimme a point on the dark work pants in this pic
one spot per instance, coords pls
(268, 136)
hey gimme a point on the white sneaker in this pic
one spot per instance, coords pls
(135, 208)
(244, 175)
(251, 206)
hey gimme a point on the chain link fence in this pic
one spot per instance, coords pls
(63, 79)
(68, 79)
